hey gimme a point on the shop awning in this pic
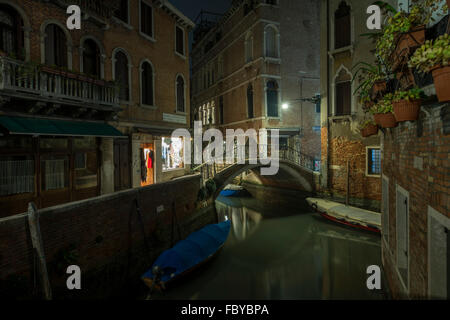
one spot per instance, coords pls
(50, 127)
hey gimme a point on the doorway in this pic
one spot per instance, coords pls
(147, 154)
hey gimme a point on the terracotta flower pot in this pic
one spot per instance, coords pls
(405, 110)
(441, 78)
(370, 130)
(385, 120)
(406, 43)
(379, 86)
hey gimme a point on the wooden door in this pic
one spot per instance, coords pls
(121, 164)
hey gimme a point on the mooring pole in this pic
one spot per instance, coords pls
(38, 248)
(347, 198)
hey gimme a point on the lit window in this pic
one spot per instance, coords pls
(172, 153)
(373, 161)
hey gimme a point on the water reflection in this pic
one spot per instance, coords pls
(296, 256)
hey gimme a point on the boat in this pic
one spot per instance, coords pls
(346, 215)
(233, 190)
(187, 255)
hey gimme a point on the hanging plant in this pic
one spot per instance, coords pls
(368, 128)
(434, 56)
(383, 112)
(406, 104)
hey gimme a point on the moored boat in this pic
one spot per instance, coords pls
(187, 254)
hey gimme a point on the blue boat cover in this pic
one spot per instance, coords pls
(188, 253)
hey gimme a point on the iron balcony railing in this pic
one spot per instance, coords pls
(19, 77)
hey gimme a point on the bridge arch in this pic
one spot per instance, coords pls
(299, 177)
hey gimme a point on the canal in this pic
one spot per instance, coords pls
(283, 254)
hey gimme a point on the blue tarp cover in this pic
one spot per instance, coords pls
(188, 253)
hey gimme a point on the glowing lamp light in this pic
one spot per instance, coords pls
(285, 106)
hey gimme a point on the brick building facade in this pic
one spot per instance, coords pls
(83, 111)
(250, 69)
(342, 48)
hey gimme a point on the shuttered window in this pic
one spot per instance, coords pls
(272, 99)
(180, 94)
(343, 98)
(122, 75)
(402, 207)
(147, 84)
(91, 58)
(221, 110)
(179, 40)
(342, 27)
(250, 102)
(55, 46)
(146, 19)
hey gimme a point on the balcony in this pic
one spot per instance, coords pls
(44, 85)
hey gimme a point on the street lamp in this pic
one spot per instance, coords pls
(285, 106)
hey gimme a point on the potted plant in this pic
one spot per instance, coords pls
(406, 104)
(434, 57)
(370, 77)
(368, 128)
(383, 112)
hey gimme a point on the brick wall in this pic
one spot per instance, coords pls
(416, 157)
(106, 236)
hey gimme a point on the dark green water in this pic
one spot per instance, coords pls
(283, 254)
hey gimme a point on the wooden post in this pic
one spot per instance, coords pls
(38, 247)
(347, 198)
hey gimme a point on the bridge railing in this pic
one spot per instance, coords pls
(209, 170)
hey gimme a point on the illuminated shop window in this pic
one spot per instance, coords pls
(373, 161)
(172, 154)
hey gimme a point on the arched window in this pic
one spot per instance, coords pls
(11, 32)
(55, 46)
(121, 75)
(343, 87)
(248, 48)
(271, 40)
(91, 58)
(342, 26)
(147, 95)
(250, 101)
(272, 98)
(180, 94)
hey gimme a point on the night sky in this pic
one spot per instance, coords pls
(191, 8)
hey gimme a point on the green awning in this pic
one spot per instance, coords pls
(50, 127)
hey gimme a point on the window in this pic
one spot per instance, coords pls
(342, 26)
(250, 101)
(221, 110)
(271, 41)
(11, 32)
(438, 254)
(86, 168)
(91, 58)
(172, 153)
(318, 107)
(55, 172)
(146, 19)
(55, 46)
(180, 94)
(122, 11)
(16, 175)
(402, 212)
(385, 208)
(343, 98)
(121, 75)
(179, 40)
(272, 98)
(248, 48)
(147, 84)
(373, 161)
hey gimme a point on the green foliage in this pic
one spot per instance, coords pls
(412, 94)
(384, 105)
(431, 54)
(367, 74)
(366, 123)
(420, 13)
